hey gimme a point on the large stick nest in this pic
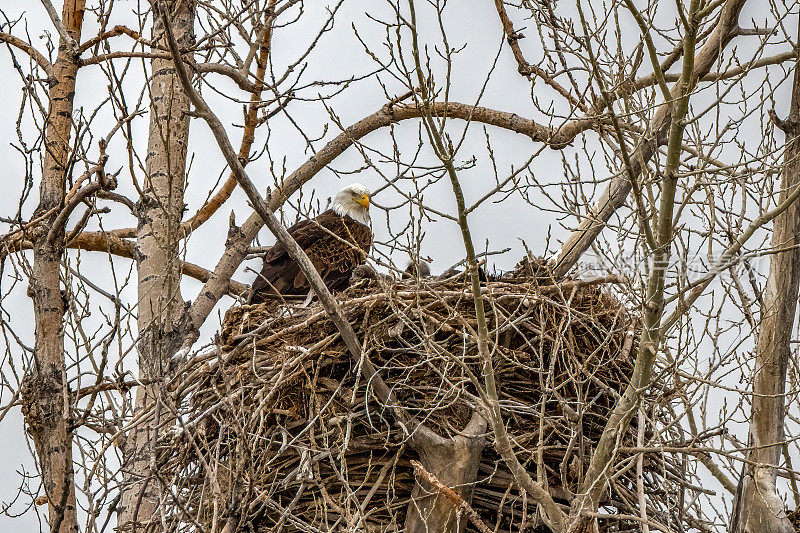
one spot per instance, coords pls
(281, 428)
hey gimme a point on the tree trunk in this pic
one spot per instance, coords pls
(45, 400)
(758, 508)
(455, 463)
(161, 308)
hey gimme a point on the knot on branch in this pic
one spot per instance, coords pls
(559, 141)
(78, 194)
(41, 399)
(790, 126)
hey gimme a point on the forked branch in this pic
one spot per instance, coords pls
(327, 300)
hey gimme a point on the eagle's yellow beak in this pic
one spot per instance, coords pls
(363, 200)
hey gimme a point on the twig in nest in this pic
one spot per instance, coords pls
(449, 493)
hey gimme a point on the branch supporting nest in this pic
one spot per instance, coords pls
(450, 494)
(281, 381)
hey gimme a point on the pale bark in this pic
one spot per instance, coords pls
(758, 508)
(161, 307)
(454, 462)
(46, 396)
(442, 147)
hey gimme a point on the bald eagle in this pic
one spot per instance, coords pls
(336, 241)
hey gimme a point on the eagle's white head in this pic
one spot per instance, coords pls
(353, 201)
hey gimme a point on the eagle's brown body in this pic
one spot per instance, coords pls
(335, 244)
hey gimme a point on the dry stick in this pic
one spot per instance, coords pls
(640, 474)
(201, 68)
(594, 483)
(705, 459)
(614, 196)
(75, 199)
(330, 305)
(248, 136)
(553, 515)
(451, 495)
(62, 30)
(113, 32)
(30, 50)
(525, 68)
(94, 241)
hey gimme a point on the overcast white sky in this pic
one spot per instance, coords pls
(472, 23)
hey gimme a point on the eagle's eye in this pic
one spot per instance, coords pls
(362, 199)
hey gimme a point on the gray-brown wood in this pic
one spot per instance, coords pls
(454, 462)
(160, 210)
(758, 508)
(47, 415)
(617, 191)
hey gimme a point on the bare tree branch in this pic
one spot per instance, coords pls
(30, 50)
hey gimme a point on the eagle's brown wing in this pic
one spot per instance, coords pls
(335, 245)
